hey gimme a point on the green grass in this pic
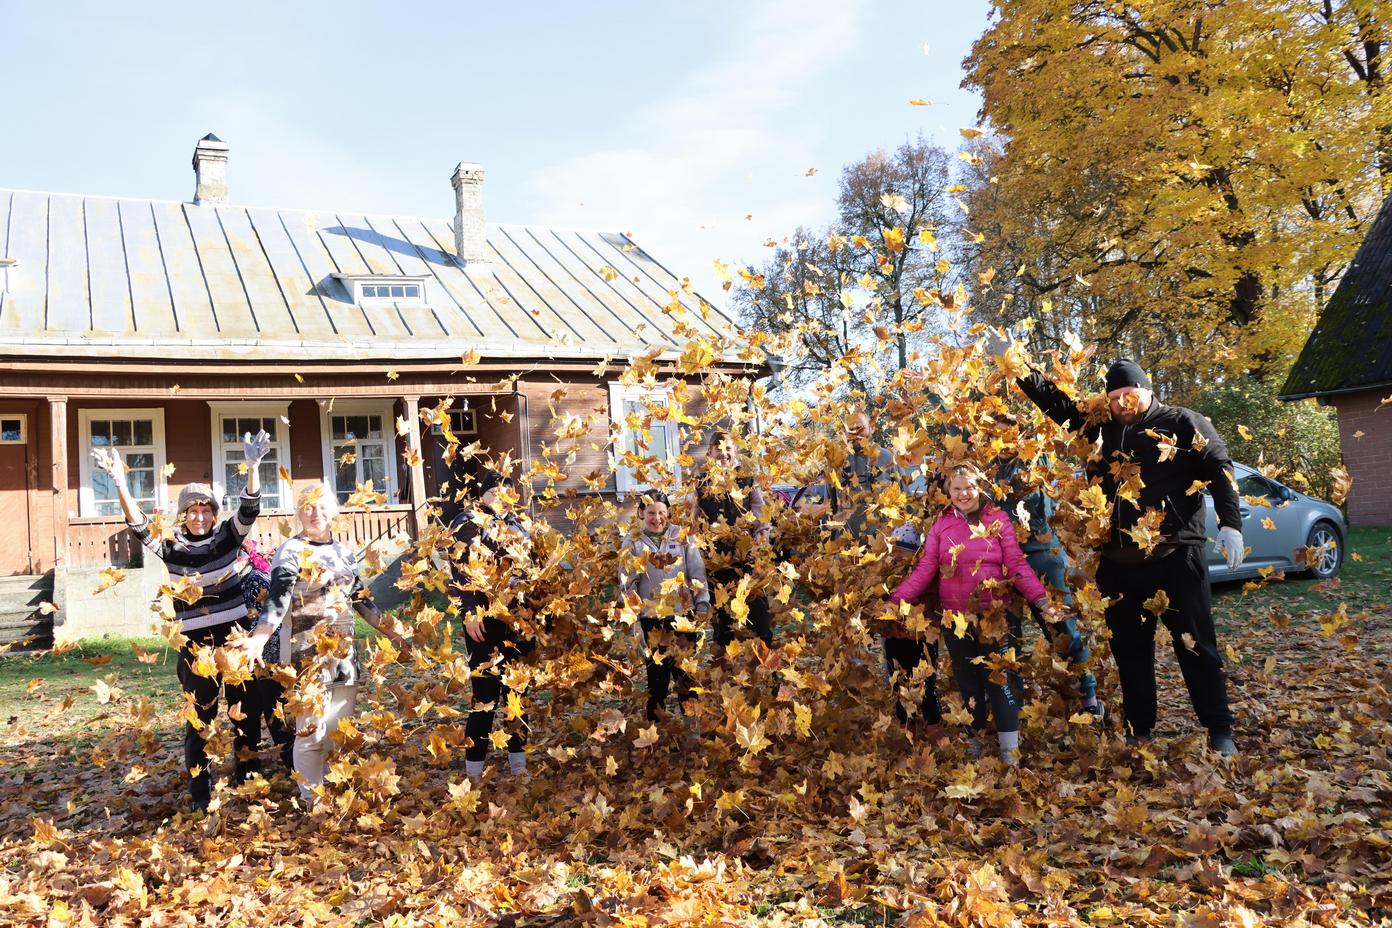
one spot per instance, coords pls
(74, 673)
(1363, 583)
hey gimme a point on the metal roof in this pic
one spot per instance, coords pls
(143, 278)
(1350, 349)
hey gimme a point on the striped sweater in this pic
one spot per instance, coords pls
(212, 561)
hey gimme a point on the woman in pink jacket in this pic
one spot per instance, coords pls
(972, 552)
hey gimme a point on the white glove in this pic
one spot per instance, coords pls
(997, 344)
(1230, 542)
(255, 447)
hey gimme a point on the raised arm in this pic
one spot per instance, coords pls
(109, 462)
(254, 448)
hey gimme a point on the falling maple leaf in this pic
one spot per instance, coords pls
(108, 577)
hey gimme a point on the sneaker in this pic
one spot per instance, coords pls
(1137, 741)
(1098, 710)
(1222, 743)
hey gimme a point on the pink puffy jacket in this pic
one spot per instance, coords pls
(962, 564)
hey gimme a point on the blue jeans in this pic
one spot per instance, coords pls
(1052, 569)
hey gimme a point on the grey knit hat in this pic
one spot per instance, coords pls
(197, 492)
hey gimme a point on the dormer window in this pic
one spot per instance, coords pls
(391, 291)
(367, 291)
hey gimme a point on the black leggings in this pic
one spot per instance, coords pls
(665, 650)
(488, 689)
(974, 683)
(205, 690)
(902, 658)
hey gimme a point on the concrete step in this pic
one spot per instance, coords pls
(24, 592)
(19, 624)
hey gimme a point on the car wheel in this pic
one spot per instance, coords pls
(1329, 550)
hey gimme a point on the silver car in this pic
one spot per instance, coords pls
(1282, 529)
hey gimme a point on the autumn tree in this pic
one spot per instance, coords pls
(1188, 175)
(869, 285)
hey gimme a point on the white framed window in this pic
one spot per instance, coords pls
(359, 445)
(14, 429)
(463, 423)
(231, 421)
(368, 290)
(138, 434)
(643, 434)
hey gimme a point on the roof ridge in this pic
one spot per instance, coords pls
(303, 209)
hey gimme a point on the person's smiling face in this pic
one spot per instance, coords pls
(965, 494)
(655, 516)
(200, 517)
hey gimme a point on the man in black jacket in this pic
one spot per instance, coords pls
(1154, 460)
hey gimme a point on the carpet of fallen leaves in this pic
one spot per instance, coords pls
(854, 825)
(792, 797)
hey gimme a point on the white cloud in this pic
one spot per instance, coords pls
(735, 140)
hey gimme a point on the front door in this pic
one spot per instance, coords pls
(16, 450)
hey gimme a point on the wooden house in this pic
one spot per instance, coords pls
(167, 329)
(1347, 363)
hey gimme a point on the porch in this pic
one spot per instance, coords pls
(60, 521)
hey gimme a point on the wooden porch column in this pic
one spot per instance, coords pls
(58, 442)
(413, 435)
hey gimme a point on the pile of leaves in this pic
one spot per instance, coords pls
(791, 795)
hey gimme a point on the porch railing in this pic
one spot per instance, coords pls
(105, 542)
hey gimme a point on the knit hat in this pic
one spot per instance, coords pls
(197, 493)
(1126, 373)
(906, 538)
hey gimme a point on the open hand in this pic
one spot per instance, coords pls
(255, 447)
(109, 462)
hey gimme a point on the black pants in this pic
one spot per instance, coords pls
(902, 657)
(204, 690)
(1183, 576)
(666, 648)
(1003, 701)
(270, 696)
(488, 689)
(759, 618)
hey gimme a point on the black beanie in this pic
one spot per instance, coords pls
(491, 479)
(1126, 373)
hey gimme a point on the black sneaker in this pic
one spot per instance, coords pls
(1222, 743)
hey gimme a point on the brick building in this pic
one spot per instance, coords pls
(1347, 363)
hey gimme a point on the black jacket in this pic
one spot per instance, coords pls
(740, 518)
(1166, 483)
(485, 529)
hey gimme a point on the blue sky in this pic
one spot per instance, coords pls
(672, 121)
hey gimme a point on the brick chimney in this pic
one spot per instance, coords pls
(469, 243)
(210, 170)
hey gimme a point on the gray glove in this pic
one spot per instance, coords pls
(255, 447)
